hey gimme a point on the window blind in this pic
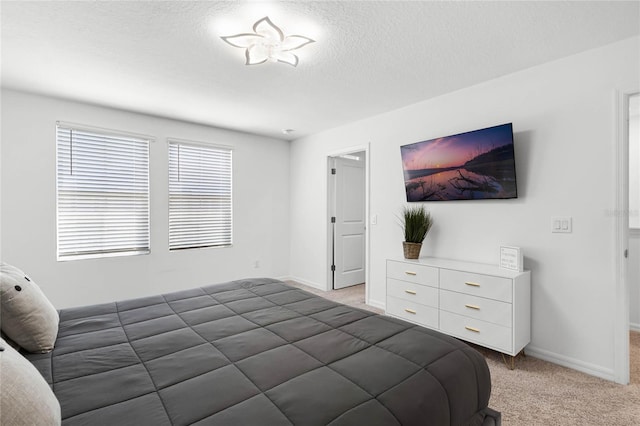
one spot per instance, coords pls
(200, 203)
(102, 193)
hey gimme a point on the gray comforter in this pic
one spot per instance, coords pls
(258, 352)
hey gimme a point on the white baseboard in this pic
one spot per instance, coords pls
(302, 281)
(634, 327)
(377, 304)
(575, 364)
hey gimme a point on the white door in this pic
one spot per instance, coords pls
(349, 228)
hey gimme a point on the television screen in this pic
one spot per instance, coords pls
(468, 166)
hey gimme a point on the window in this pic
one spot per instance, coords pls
(102, 193)
(199, 195)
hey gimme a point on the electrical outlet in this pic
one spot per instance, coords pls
(562, 224)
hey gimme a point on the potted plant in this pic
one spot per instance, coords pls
(416, 222)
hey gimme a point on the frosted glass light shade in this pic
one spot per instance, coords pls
(268, 43)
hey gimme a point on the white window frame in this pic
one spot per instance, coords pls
(87, 225)
(218, 231)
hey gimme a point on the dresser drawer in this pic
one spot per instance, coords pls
(413, 312)
(477, 331)
(481, 308)
(412, 272)
(477, 284)
(417, 293)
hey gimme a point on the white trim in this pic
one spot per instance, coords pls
(573, 363)
(330, 208)
(350, 150)
(377, 304)
(367, 253)
(367, 247)
(302, 281)
(198, 143)
(105, 131)
(621, 236)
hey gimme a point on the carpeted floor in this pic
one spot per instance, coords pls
(353, 296)
(634, 355)
(537, 392)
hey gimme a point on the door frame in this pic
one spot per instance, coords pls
(621, 219)
(345, 166)
(330, 194)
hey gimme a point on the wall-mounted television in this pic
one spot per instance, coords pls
(467, 166)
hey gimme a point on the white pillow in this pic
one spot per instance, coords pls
(25, 397)
(27, 317)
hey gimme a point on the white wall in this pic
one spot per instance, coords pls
(28, 200)
(563, 117)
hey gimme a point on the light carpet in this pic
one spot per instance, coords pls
(537, 392)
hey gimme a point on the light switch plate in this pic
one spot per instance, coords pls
(562, 224)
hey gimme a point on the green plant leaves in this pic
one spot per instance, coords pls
(417, 222)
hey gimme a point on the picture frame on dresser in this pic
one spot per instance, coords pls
(511, 258)
(479, 303)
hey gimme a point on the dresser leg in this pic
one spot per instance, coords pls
(510, 361)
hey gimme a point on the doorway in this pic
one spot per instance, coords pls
(622, 213)
(347, 217)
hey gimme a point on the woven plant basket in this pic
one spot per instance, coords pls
(411, 250)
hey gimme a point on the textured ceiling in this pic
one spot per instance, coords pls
(166, 57)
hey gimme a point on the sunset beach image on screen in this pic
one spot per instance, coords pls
(468, 166)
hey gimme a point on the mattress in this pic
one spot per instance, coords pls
(258, 352)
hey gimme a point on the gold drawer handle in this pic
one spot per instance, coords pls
(411, 311)
(410, 292)
(475, 330)
(472, 284)
(410, 273)
(472, 307)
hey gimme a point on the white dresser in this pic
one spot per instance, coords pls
(479, 303)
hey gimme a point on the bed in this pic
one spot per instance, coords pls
(258, 352)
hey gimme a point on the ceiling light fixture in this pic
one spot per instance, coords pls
(268, 43)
